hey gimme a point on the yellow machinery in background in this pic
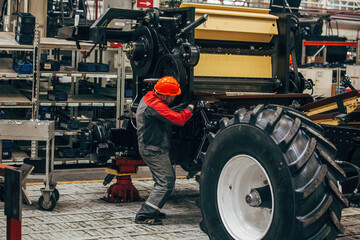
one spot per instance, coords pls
(237, 25)
(242, 51)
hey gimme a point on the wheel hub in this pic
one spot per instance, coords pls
(245, 198)
(259, 197)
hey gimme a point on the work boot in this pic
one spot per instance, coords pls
(161, 215)
(149, 221)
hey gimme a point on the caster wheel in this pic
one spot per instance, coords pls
(47, 207)
(56, 194)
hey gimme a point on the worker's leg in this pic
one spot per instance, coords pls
(164, 177)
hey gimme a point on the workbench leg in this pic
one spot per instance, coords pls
(13, 229)
(52, 153)
(1, 151)
(47, 162)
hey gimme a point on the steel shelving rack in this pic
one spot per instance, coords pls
(39, 78)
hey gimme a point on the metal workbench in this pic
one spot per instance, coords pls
(8, 43)
(35, 130)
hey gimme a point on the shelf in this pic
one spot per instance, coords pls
(53, 43)
(73, 73)
(93, 100)
(10, 97)
(67, 132)
(7, 42)
(8, 72)
(18, 156)
(70, 161)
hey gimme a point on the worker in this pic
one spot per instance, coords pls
(154, 119)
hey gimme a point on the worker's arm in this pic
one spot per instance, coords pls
(160, 110)
(164, 113)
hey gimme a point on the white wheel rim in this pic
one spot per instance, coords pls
(239, 175)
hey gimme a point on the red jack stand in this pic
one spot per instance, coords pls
(123, 190)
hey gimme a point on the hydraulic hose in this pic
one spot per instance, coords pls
(358, 172)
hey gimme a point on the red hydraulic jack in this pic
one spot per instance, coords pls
(123, 190)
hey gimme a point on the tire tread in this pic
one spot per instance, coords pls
(286, 142)
(296, 165)
(311, 186)
(320, 209)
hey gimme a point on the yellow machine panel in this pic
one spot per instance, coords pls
(234, 23)
(239, 66)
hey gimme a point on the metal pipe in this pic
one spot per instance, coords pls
(358, 52)
(167, 18)
(62, 12)
(26, 6)
(9, 8)
(303, 52)
(322, 47)
(122, 87)
(118, 85)
(195, 24)
(96, 9)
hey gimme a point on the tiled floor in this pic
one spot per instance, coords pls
(81, 214)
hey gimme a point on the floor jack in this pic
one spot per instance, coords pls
(123, 190)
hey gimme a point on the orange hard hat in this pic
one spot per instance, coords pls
(168, 86)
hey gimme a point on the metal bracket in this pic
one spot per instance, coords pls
(340, 105)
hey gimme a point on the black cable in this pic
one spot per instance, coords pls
(293, 83)
(358, 172)
(3, 8)
(311, 85)
(337, 27)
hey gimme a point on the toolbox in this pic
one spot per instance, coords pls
(25, 18)
(25, 28)
(25, 23)
(66, 60)
(66, 152)
(93, 67)
(87, 67)
(69, 124)
(56, 95)
(103, 67)
(24, 38)
(80, 154)
(49, 65)
(22, 66)
(46, 113)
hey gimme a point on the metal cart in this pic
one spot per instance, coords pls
(35, 130)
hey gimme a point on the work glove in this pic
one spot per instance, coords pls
(194, 103)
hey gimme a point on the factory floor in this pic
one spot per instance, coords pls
(80, 212)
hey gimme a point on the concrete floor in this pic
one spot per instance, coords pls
(81, 214)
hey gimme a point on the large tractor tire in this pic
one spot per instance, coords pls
(269, 173)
